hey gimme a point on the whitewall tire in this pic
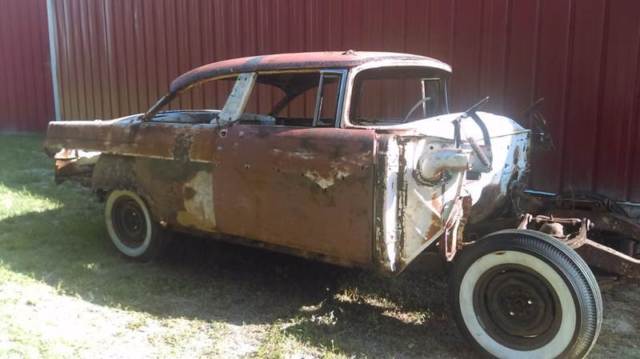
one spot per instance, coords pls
(131, 227)
(522, 294)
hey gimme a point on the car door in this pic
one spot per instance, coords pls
(309, 189)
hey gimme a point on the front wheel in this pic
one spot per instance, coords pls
(520, 293)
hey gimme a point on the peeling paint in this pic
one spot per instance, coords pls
(322, 182)
(391, 203)
(325, 182)
(305, 155)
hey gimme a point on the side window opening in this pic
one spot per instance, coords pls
(299, 99)
(294, 99)
(327, 101)
(200, 104)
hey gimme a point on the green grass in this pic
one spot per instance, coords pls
(66, 292)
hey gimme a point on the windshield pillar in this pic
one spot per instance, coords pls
(238, 98)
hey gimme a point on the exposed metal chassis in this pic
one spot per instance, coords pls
(596, 227)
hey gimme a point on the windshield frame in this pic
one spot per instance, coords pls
(444, 75)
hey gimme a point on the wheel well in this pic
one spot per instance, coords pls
(111, 172)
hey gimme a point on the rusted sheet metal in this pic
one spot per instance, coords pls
(130, 136)
(411, 215)
(292, 61)
(309, 189)
(415, 207)
(179, 193)
(168, 164)
(261, 182)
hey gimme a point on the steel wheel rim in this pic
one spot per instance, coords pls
(129, 222)
(517, 307)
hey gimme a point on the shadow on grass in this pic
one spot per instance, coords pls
(211, 281)
(354, 312)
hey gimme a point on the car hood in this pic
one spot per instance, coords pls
(442, 127)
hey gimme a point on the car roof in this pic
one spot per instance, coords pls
(300, 60)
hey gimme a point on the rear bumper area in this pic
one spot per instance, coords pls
(75, 165)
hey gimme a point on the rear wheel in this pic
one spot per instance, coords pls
(130, 226)
(519, 293)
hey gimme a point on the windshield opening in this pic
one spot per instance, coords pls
(386, 96)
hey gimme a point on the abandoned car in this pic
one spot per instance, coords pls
(354, 159)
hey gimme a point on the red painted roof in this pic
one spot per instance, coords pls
(300, 60)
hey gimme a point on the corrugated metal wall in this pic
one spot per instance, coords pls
(25, 77)
(583, 56)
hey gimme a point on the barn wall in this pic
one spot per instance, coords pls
(117, 57)
(25, 81)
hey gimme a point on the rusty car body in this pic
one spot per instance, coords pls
(347, 183)
(336, 182)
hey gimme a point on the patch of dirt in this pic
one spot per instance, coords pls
(620, 335)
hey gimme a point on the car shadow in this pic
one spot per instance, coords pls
(354, 311)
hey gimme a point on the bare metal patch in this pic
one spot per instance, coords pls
(198, 203)
(304, 155)
(390, 220)
(325, 182)
(322, 182)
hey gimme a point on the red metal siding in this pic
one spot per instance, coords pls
(117, 57)
(25, 77)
